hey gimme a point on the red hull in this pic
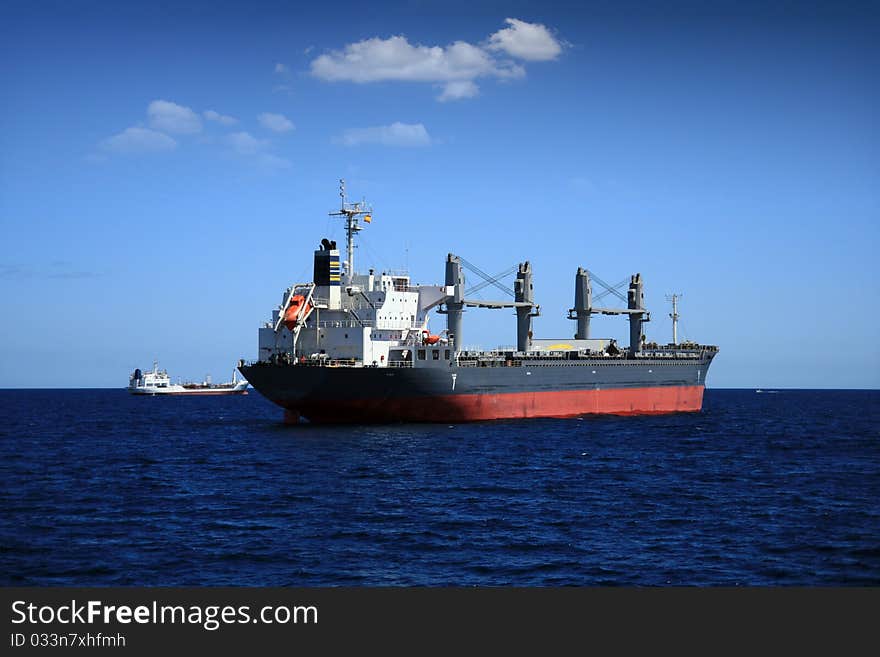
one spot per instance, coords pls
(465, 408)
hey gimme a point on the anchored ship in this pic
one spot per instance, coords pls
(157, 382)
(353, 347)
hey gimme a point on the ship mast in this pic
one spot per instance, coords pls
(351, 212)
(674, 315)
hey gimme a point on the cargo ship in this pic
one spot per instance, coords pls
(350, 347)
(157, 382)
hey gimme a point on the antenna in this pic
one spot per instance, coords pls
(351, 212)
(674, 315)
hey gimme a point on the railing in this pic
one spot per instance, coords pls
(468, 361)
(343, 323)
(329, 362)
(388, 324)
(487, 362)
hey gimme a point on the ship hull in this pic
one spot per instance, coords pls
(462, 394)
(471, 408)
(187, 393)
(182, 391)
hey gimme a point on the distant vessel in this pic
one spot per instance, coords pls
(157, 382)
(350, 347)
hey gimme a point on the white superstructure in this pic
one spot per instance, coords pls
(346, 316)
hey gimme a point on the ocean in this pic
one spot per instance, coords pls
(103, 488)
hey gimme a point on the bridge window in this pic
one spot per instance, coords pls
(435, 354)
(446, 354)
(421, 354)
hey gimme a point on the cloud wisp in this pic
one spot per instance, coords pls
(165, 118)
(255, 151)
(455, 67)
(222, 119)
(244, 143)
(282, 70)
(275, 122)
(397, 134)
(173, 118)
(138, 140)
(458, 89)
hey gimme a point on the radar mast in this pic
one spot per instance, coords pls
(351, 212)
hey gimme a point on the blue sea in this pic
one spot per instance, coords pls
(102, 488)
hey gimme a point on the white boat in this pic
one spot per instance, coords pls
(157, 382)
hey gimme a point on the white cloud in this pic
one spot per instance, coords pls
(138, 140)
(275, 122)
(529, 41)
(458, 89)
(244, 143)
(256, 151)
(223, 119)
(171, 117)
(395, 58)
(176, 118)
(376, 59)
(281, 68)
(396, 134)
(457, 66)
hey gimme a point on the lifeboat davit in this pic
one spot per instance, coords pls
(427, 338)
(297, 309)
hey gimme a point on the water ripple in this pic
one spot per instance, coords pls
(100, 488)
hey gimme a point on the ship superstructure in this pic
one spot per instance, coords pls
(350, 347)
(343, 317)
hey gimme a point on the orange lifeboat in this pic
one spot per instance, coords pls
(427, 338)
(297, 309)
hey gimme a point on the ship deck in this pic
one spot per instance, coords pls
(497, 358)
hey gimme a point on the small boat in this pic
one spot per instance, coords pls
(157, 382)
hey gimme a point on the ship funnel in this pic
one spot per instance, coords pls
(327, 273)
(635, 301)
(583, 304)
(524, 292)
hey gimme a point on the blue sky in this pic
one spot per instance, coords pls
(166, 171)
